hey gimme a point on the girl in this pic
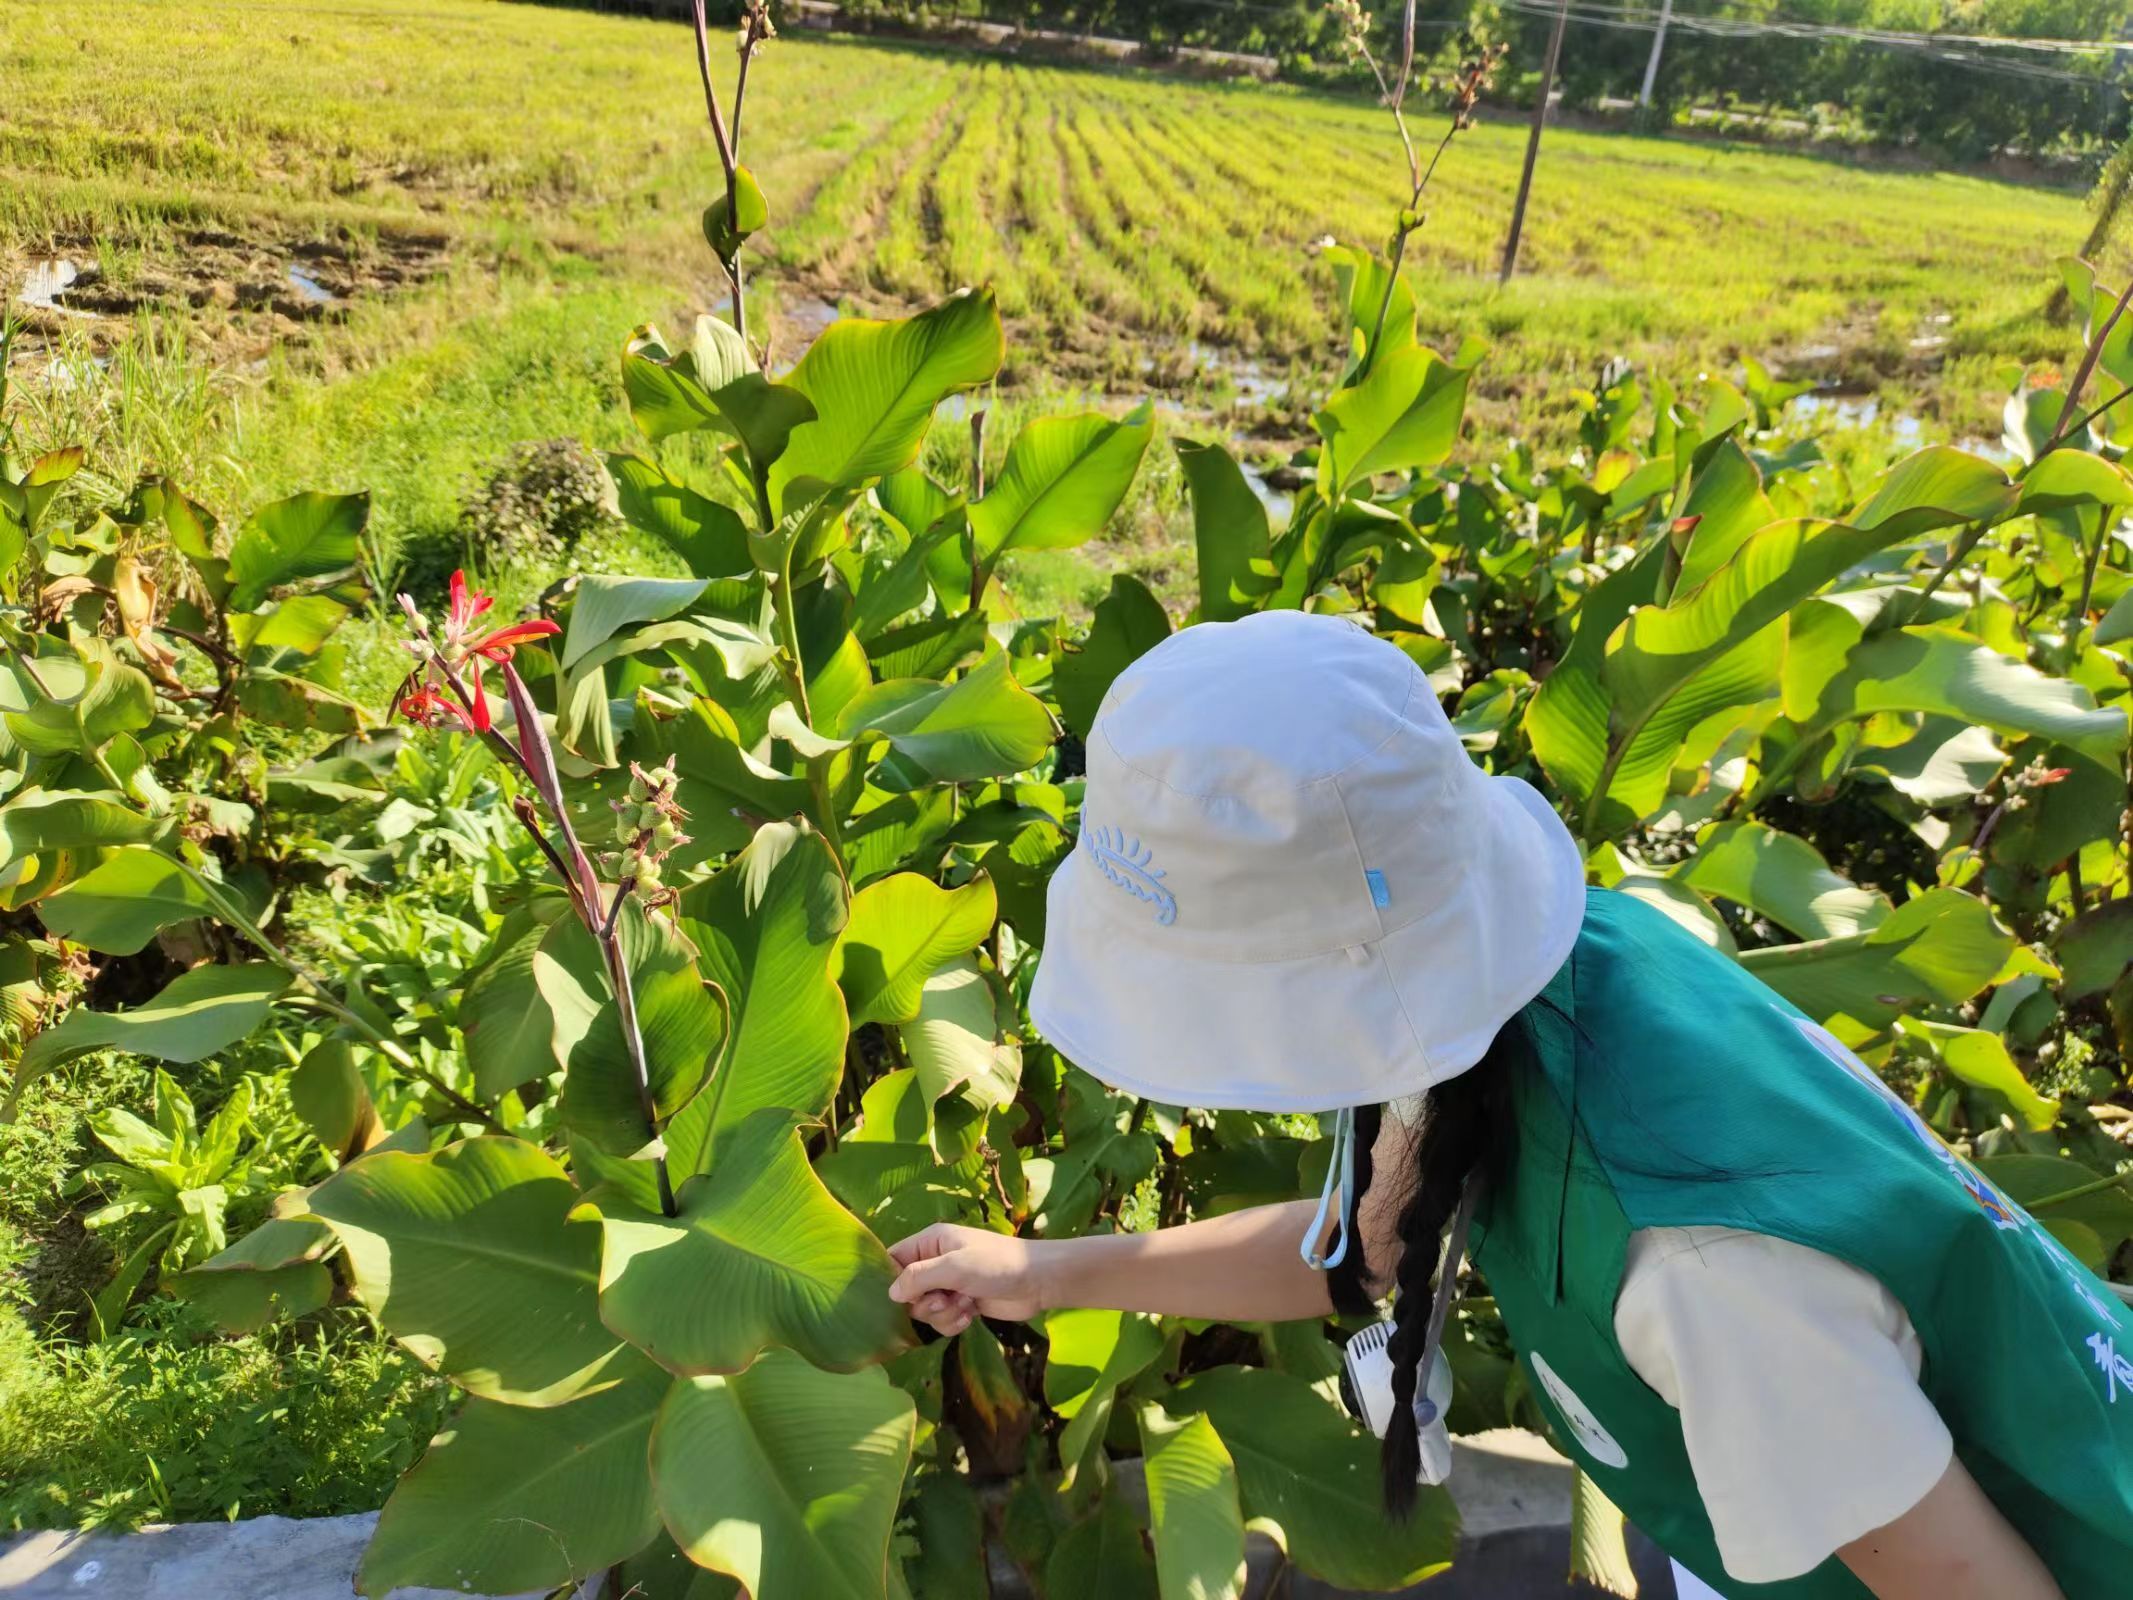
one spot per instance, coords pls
(1803, 1346)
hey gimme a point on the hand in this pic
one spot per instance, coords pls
(952, 1274)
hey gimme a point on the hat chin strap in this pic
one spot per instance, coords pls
(1340, 1174)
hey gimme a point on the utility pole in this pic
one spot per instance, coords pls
(1651, 66)
(1533, 143)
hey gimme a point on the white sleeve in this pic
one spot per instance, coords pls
(1796, 1376)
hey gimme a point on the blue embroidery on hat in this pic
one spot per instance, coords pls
(1380, 896)
(1130, 864)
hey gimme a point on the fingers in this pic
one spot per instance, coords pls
(948, 1313)
(943, 1271)
(923, 1245)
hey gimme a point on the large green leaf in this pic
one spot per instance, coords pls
(1089, 1354)
(1611, 731)
(874, 386)
(118, 906)
(680, 1022)
(661, 1572)
(1728, 502)
(305, 536)
(719, 778)
(1102, 1555)
(759, 1255)
(2094, 949)
(508, 1027)
(786, 1477)
(197, 1014)
(606, 605)
(1567, 721)
(1782, 877)
(984, 725)
(510, 1499)
(1683, 651)
(1380, 304)
(468, 1259)
(903, 929)
(1982, 1060)
(88, 698)
(1129, 622)
(1306, 1470)
(1231, 541)
(710, 538)
(954, 1042)
(70, 819)
(950, 1528)
(2068, 478)
(329, 1093)
(770, 923)
(1938, 948)
(276, 1270)
(1192, 1508)
(1946, 673)
(1063, 479)
(1404, 414)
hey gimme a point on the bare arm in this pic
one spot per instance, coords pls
(1953, 1545)
(1243, 1267)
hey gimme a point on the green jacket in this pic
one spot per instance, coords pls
(1666, 1087)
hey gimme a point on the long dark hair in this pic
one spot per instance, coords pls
(1466, 1132)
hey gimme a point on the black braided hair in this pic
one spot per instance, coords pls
(1348, 1285)
(1466, 1131)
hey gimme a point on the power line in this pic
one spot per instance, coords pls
(1933, 46)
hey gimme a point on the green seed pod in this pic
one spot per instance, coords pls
(665, 836)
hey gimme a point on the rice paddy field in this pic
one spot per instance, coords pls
(377, 243)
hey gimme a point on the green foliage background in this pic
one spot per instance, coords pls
(1864, 729)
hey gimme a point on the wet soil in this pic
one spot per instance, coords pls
(241, 292)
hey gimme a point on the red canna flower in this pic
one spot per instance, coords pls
(422, 705)
(466, 608)
(461, 646)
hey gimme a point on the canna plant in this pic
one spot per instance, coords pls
(627, 1180)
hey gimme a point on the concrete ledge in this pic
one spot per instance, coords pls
(1513, 1494)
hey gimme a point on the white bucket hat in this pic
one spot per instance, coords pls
(1293, 891)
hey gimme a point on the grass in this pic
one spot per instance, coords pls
(506, 189)
(170, 1423)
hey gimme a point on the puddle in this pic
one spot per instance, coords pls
(1278, 503)
(1854, 411)
(50, 279)
(1250, 381)
(81, 373)
(309, 288)
(799, 324)
(243, 294)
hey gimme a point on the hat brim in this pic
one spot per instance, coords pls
(1354, 1026)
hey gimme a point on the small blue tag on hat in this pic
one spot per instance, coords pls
(1380, 896)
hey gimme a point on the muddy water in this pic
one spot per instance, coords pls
(241, 294)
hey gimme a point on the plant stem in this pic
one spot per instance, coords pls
(2096, 411)
(789, 640)
(322, 993)
(2078, 1193)
(2089, 358)
(1961, 548)
(978, 573)
(2088, 569)
(618, 974)
(718, 121)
